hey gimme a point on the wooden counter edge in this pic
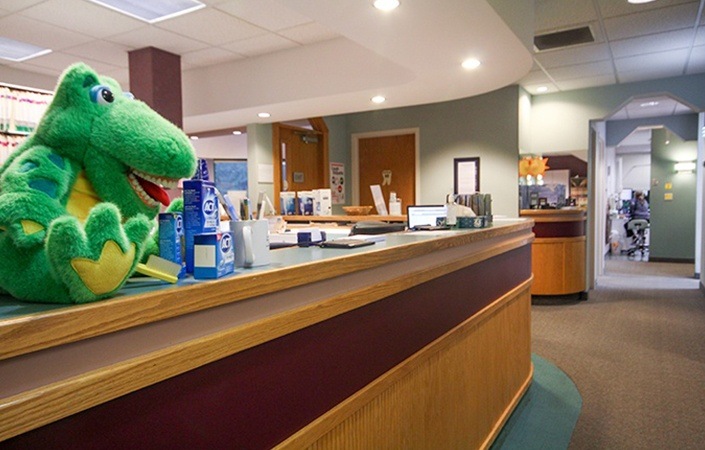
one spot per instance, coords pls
(31, 409)
(34, 332)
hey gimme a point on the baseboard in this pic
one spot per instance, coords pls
(672, 260)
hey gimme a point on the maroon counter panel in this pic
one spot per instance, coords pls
(560, 229)
(259, 397)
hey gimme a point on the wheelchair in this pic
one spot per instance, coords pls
(638, 228)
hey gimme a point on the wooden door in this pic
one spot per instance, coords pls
(389, 161)
(302, 166)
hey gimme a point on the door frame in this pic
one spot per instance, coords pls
(355, 159)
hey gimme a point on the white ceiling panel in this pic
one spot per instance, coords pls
(556, 14)
(269, 14)
(672, 40)
(260, 45)
(17, 5)
(674, 59)
(696, 64)
(150, 36)
(82, 17)
(309, 33)
(59, 61)
(612, 8)
(207, 57)
(31, 31)
(593, 69)
(221, 27)
(640, 75)
(573, 55)
(652, 21)
(102, 51)
(700, 35)
(587, 82)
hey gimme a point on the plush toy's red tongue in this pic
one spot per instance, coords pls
(155, 191)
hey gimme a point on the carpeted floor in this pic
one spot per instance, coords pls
(636, 352)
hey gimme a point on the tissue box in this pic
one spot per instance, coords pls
(213, 255)
(322, 202)
(305, 202)
(171, 239)
(200, 213)
(287, 202)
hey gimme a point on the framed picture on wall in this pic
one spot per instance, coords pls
(466, 175)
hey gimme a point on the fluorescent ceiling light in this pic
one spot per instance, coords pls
(263, 115)
(541, 89)
(152, 11)
(647, 104)
(386, 5)
(378, 99)
(17, 51)
(638, 2)
(471, 63)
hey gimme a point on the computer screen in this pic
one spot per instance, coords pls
(420, 215)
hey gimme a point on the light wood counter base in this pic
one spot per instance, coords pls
(293, 356)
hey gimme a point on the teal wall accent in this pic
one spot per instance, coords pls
(485, 125)
(672, 222)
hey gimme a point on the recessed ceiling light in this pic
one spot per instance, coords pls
(471, 63)
(17, 51)
(378, 99)
(152, 11)
(263, 115)
(237, 132)
(386, 5)
(542, 89)
(648, 104)
(638, 2)
(194, 138)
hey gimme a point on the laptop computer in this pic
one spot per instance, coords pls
(427, 217)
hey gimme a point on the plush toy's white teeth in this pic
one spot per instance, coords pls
(166, 183)
(149, 201)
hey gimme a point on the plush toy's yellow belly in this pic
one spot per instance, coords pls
(82, 198)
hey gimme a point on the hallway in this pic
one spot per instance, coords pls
(636, 351)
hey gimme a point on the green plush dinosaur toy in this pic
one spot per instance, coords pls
(78, 198)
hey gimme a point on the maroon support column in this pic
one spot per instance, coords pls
(155, 78)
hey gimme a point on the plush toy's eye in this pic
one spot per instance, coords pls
(102, 95)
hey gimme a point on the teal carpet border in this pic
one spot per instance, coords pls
(547, 413)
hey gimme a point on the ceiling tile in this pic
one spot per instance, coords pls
(211, 26)
(17, 5)
(558, 14)
(309, 33)
(150, 36)
(588, 82)
(652, 21)
(652, 74)
(207, 57)
(581, 71)
(31, 31)
(535, 77)
(612, 8)
(269, 14)
(652, 43)
(82, 17)
(260, 45)
(59, 61)
(103, 51)
(700, 36)
(696, 64)
(572, 55)
(653, 61)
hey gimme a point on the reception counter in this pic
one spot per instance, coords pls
(558, 252)
(422, 341)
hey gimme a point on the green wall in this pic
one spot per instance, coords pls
(486, 126)
(672, 221)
